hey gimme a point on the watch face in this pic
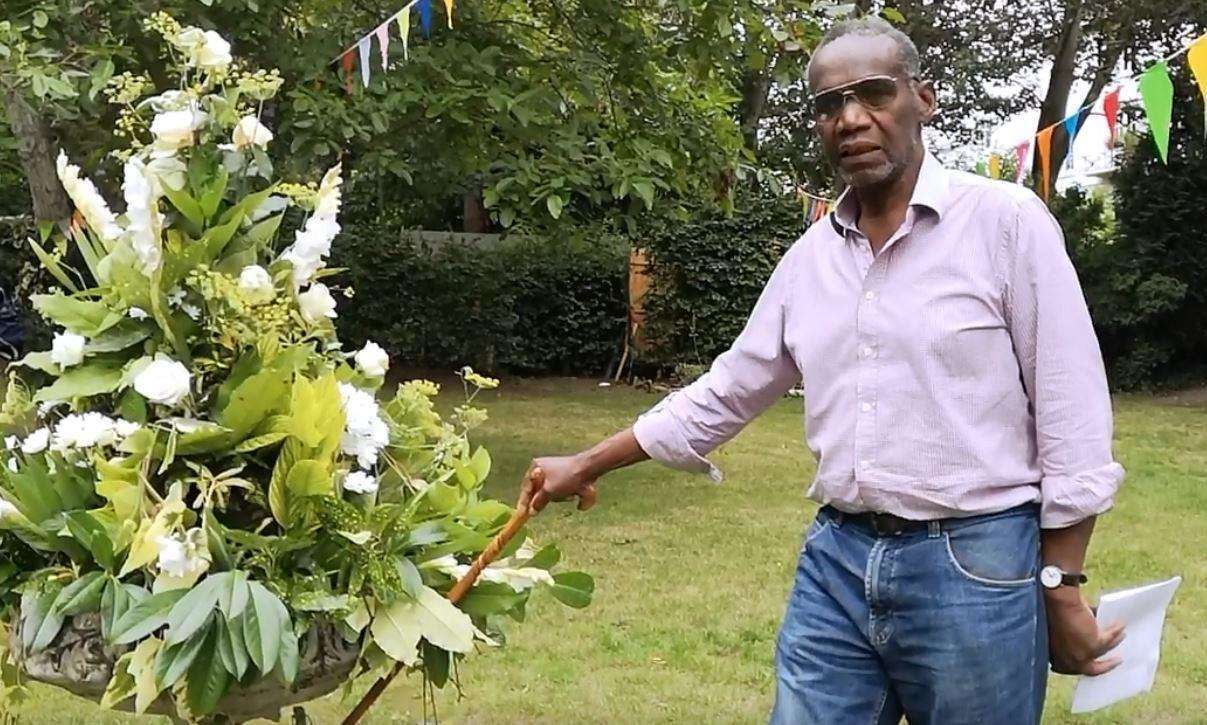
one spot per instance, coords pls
(1050, 576)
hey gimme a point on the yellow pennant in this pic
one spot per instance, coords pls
(448, 7)
(404, 31)
(1197, 56)
(995, 166)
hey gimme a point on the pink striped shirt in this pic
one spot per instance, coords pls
(954, 373)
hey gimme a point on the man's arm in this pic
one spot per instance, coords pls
(1062, 371)
(558, 478)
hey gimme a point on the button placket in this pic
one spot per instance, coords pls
(868, 346)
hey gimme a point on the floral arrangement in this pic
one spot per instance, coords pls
(198, 461)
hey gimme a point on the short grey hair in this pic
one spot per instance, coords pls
(872, 26)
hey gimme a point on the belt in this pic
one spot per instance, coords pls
(883, 524)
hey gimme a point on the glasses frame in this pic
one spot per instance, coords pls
(847, 90)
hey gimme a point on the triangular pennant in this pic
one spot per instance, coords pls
(425, 16)
(1043, 141)
(1110, 109)
(383, 42)
(1020, 160)
(995, 166)
(981, 169)
(448, 7)
(1071, 129)
(1197, 58)
(1156, 90)
(404, 31)
(346, 64)
(364, 46)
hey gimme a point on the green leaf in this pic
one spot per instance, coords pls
(48, 626)
(645, 190)
(215, 538)
(488, 598)
(173, 662)
(84, 317)
(92, 535)
(100, 75)
(186, 205)
(118, 338)
(39, 361)
(93, 377)
(436, 664)
(238, 647)
(193, 610)
(212, 197)
(115, 601)
(260, 441)
(40, 19)
(545, 559)
(573, 588)
(278, 490)
(893, 15)
(430, 616)
(208, 679)
(82, 595)
(234, 593)
(309, 478)
(262, 627)
(145, 617)
(480, 464)
(289, 652)
(554, 205)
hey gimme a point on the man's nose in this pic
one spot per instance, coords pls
(852, 115)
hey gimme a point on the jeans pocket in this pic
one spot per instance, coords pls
(1002, 552)
(817, 528)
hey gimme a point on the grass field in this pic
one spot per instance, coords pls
(691, 578)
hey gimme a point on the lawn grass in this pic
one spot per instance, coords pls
(691, 578)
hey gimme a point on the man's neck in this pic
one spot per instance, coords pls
(882, 208)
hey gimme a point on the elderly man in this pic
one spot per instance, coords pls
(957, 406)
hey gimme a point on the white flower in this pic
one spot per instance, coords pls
(137, 313)
(7, 509)
(142, 216)
(182, 555)
(192, 311)
(174, 129)
(46, 407)
(12, 466)
(163, 381)
(360, 482)
(205, 49)
(250, 132)
(518, 579)
(36, 442)
(67, 349)
(83, 430)
(316, 303)
(365, 433)
(88, 200)
(312, 243)
(372, 360)
(326, 202)
(125, 428)
(256, 284)
(176, 295)
(11, 442)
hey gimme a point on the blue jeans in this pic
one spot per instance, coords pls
(943, 626)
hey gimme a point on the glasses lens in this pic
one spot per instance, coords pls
(828, 104)
(876, 92)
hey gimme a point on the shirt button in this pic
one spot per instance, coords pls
(869, 351)
(869, 295)
(865, 463)
(866, 407)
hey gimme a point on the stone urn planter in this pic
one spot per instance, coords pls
(79, 661)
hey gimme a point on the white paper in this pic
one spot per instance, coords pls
(1142, 611)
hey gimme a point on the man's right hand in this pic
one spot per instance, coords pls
(557, 478)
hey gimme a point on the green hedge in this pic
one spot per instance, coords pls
(708, 272)
(521, 305)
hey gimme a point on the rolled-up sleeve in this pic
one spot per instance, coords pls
(1062, 370)
(743, 382)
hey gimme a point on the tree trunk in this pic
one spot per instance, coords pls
(36, 148)
(756, 85)
(1056, 101)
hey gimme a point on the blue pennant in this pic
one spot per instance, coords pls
(1073, 124)
(425, 17)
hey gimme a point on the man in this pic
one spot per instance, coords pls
(957, 405)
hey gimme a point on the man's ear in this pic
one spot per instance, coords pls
(924, 92)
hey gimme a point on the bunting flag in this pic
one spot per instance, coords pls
(346, 65)
(1197, 58)
(995, 166)
(364, 46)
(1110, 109)
(448, 10)
(425, 17)
(1156, 91)
(383, 42)
(1020, 160)
(981, 169)
(404, 32)
(1043, 145)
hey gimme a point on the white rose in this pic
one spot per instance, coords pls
(316, 303)
(36, 442)
(250, 132)
(125, 428)
(372, 360)
(213, 53)
(163, 381)
(360, 482)
(67, 349)
(181, 555)
(7, 509)
(88, 200)
(11, 442)
(256, 284)
(175, 129)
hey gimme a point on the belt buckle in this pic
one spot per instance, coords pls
(885, 524)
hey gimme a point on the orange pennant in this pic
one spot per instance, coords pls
(1043, 143)
(346, 62)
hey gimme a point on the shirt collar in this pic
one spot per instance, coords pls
(930, 191)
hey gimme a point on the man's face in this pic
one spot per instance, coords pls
(876, 132)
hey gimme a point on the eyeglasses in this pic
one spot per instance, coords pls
(873, 93)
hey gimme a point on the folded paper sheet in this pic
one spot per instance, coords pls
(1142, 611)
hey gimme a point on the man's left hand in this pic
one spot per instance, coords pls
(1075, 642)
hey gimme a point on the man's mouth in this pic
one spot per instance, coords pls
(857, 150)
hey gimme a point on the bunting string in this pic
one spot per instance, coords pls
(361, 50)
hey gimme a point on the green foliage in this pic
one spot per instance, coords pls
(706, 274)
(1145, 281)
(535, 306)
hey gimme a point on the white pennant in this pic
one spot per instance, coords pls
(363, 47)
(383, 41)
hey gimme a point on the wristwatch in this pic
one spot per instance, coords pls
(1053, 577)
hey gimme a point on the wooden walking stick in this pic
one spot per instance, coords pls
(461, 588)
